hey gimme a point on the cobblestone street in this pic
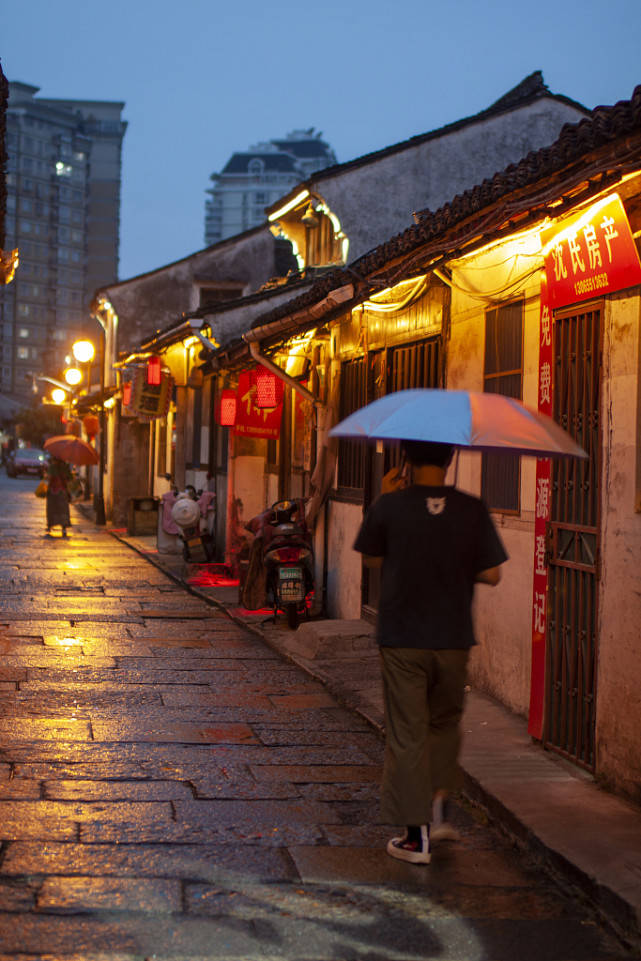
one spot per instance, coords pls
(171, 787)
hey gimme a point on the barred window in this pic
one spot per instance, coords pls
(500, 484)
(351, 453)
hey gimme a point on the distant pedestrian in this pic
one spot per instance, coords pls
(433, 543)
(58, 495)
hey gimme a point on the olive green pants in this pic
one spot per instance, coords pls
(423, 692)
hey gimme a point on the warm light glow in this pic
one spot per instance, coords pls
(126, 393)
(9, 261)
(58, 395)
(227, 413)
(269, 388)
(575, 226)
(303, 195)
(84, 351)
(190, 342)
(73, 376)
(417, 287)
(109, 403)
(154, 371)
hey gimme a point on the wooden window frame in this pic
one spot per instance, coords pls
(502, 494)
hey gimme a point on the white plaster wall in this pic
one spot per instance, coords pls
(246, 483)
(376, 200)
(618, 705)
(344, 572)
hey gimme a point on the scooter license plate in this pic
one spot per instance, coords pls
(290, 585)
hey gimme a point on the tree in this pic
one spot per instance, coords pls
(33, 425)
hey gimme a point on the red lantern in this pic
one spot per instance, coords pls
(154, 372)
(269, 388)
(126, 393)
(227, 412)
(91, 425)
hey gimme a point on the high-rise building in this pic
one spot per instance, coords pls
(63, 177)
(253, 179)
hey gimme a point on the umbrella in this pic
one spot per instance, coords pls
(71, 449)
(462, 418)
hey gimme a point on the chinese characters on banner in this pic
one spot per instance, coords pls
(541, 517)
(590, 254)
(252, 421)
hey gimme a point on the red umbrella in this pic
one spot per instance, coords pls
(71, 449)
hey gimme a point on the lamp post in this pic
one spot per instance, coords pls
(99, 500)
(84, 352)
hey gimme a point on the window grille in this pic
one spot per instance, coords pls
(503, 374)
(351, 453)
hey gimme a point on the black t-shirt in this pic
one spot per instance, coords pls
(433, 541)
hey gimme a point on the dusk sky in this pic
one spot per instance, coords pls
(203, 78)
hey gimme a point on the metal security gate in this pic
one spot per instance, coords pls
(573, 540)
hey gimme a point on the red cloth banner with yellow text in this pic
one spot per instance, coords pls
(541, 517)
(590, 254)
(252, 421)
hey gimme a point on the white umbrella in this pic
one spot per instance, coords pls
(462, 418)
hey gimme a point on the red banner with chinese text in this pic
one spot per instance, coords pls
(541, 517)
(590, 254)
(252, 421)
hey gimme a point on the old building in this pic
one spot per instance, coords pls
(529, 284)
(140, 315)
(341, 212)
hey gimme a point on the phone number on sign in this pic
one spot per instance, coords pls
(588, 284)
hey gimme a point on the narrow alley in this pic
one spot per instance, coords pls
(171, 787)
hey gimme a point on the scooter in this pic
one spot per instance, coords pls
(288, 558)
(191, 513)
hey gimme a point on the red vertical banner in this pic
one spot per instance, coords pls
(541, 517)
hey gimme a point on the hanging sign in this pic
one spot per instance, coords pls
(252, 421)
(541, 518)
(149, 401)
(590, 254)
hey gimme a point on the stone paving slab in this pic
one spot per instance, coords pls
(158, 847)
(72, 895)
(212, 862)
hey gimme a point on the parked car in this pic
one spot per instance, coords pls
(27, 460)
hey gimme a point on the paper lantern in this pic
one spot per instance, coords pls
(154, 372)
(126, 393)
(269, 388)
(91, 425)
(227, 412)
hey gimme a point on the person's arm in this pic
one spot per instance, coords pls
(490, 576)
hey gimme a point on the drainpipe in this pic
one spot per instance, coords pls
(254, 350)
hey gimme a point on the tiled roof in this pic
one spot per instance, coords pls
(528, 90)
(574, 146)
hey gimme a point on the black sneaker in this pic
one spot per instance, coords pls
(416, 852)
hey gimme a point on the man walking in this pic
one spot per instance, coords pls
(433, 543)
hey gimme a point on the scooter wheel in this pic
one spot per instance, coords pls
(292, 616)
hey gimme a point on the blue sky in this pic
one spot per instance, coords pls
(202, 78)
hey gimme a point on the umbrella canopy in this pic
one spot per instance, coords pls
(462, 418)
(71, 449)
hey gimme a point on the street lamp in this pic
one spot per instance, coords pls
(73, 376)
(58, 395)
(84, 351)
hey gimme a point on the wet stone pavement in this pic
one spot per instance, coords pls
(171, 788)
